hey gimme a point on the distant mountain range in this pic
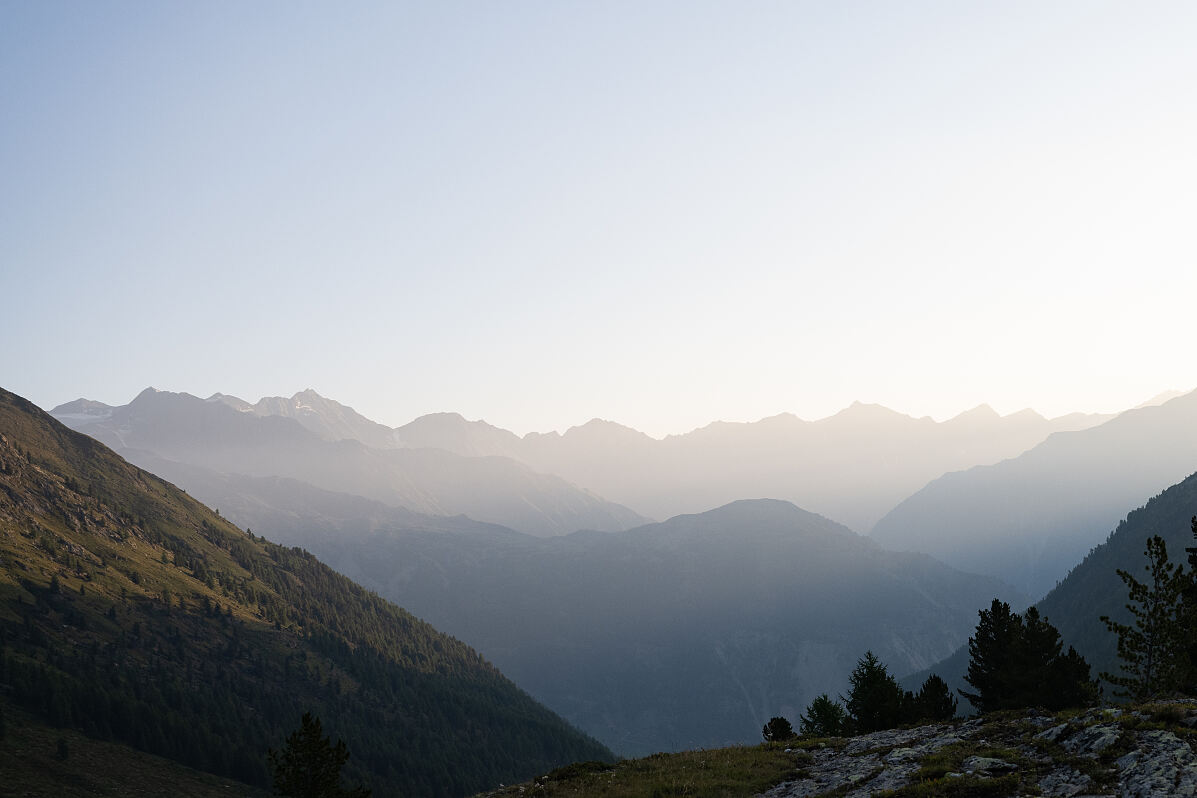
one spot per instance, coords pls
(223, 436)
(620, 629)
(131, 612)
(1029, 519)
(853, 466)
(689, 633)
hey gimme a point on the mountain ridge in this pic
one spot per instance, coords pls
(1030, 518)
(217, 436)
(646, 638)
(131, 611)
(854, 465)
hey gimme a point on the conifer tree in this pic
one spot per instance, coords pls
(1016, 663)
(934, 701)
(778, 729)
(1051, 677)
(824, 718)
(309, 766)
(1188, 678)
(875, 701)
(990, 657)
(1152, 650)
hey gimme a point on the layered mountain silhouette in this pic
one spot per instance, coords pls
(1093, 588)
(220, 435)
(688, 633)
(1029, 519)
(853, 466)
(131, 612)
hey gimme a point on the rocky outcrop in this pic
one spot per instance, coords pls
(1138, 753)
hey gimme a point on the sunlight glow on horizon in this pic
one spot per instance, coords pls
(661, 216)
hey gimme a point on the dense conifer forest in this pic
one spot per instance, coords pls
(135, 614)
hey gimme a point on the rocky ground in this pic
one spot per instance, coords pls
(1134, 753)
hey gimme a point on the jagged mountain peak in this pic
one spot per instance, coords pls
(83, 407)
(869, 412)
(235, 402)
(981, 411)
(152, 395)
(601, 428)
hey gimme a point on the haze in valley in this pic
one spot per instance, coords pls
(667, 356)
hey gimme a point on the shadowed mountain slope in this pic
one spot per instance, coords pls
(132, 612)
(1093, 589)
(1029, 519)
(688, 633)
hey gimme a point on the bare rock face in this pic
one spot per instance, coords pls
(1139, 753)
(1161, 764)
(872, 763)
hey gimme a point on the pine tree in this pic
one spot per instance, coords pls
(824, 718)
(990, 657)
(1016, 663)
(1152, 649)
(309, 766)
(777, 730)
(875, 700)
(934, 701)
(1188, 677)
(1052, 678)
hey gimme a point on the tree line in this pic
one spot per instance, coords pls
(1018, 660)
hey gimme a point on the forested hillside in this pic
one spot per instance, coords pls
(132, 612)
(684, 634)
(1093, 589)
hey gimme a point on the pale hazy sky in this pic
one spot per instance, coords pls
(657, 213)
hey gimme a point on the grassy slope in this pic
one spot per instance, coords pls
(717, 773)
(133, 612)
(743, 771)
(32, 766)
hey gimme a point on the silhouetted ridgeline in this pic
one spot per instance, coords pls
(131, 611)
(1030, 519)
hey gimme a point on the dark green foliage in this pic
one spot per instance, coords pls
(1151, 650)
(777, 730)
(1188, 676)
(824, 718)
(1093, 589)
(875, 700)
(309, 765)
(1017, 661)
(254, 629)
(933, 702)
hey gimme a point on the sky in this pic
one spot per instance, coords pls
(658, 213)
